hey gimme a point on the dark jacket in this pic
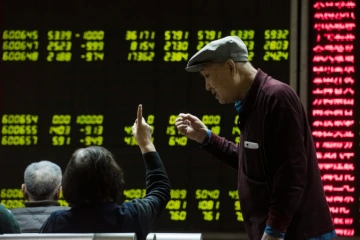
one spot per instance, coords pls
(138, 215)
(8, 224)
(279, 180)
(34, 214)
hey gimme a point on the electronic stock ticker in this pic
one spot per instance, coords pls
(72, 78)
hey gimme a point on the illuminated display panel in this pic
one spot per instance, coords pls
(72, 75)
(333, 107)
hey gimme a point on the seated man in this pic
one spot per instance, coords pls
(93, 183)
(8, 224)
(41, 189)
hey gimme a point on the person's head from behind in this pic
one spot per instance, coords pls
(42, 181)
(92, 176)
(224, 65)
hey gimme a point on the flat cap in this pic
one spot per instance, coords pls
(217, 51)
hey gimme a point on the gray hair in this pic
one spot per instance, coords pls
(42, 179)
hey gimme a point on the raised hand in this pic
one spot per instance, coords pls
(191, 126)
(143, 132)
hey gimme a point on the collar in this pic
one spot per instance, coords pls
(43, 203)
(249, 101)
(238, 106)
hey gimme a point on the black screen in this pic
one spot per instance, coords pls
(72, 74)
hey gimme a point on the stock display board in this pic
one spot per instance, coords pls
(333, 105)
(72, 74)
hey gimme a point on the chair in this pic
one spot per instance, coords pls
(76, 236)
(174, 236)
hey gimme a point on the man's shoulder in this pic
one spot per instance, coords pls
(279, 94)
(34, 210)
(274, 87)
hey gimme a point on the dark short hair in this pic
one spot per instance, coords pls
(92, 175)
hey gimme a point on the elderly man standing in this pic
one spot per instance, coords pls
(41, 189)
(279, 181)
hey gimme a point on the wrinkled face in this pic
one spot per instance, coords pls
(220, 79)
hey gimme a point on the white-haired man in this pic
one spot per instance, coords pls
(41, 189)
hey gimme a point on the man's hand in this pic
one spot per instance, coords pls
(191, 126)
(143, 133)
(267, 237)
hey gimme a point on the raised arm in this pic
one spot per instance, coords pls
(150, 208)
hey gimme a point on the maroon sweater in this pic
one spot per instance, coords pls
(279, 181)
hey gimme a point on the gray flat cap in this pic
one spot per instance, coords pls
(217, 51)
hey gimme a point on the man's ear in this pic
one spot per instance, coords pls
(57, 193)
(230, 65)
(24, 191)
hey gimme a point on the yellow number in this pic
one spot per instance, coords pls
(167, 35)
(237, 205)
(3, 193)
(88, 130)
(15, 140)
(243, 34)
(251, 56)
(285, 45)
(178, 215)
(283, 34)
(68, 45)
(131, 35)
(172, 141)
(13, 203)
(11, 193)
(201, 44)
(14, 34)
(208, 216)
(133, 46)
(211, 119)
(89, 119)
(93, 35)
(240, 217)
(276, 34)
(14, 56)
(206, 205)
(267, 34)
(204, 194)
(61, 119)
(50, 35)
(216, 129)
(50, 56)
(170, 130)
(174, 205)
(130, 141)
(150, 119)
(67, 35)
(58, 140)
(183, 193)
(276, 56)
(250, 45)
(14, 45)
(98, 130)
(134, 193)
(63, 56)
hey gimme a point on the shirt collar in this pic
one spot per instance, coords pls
(43, 203)
(248, 104)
